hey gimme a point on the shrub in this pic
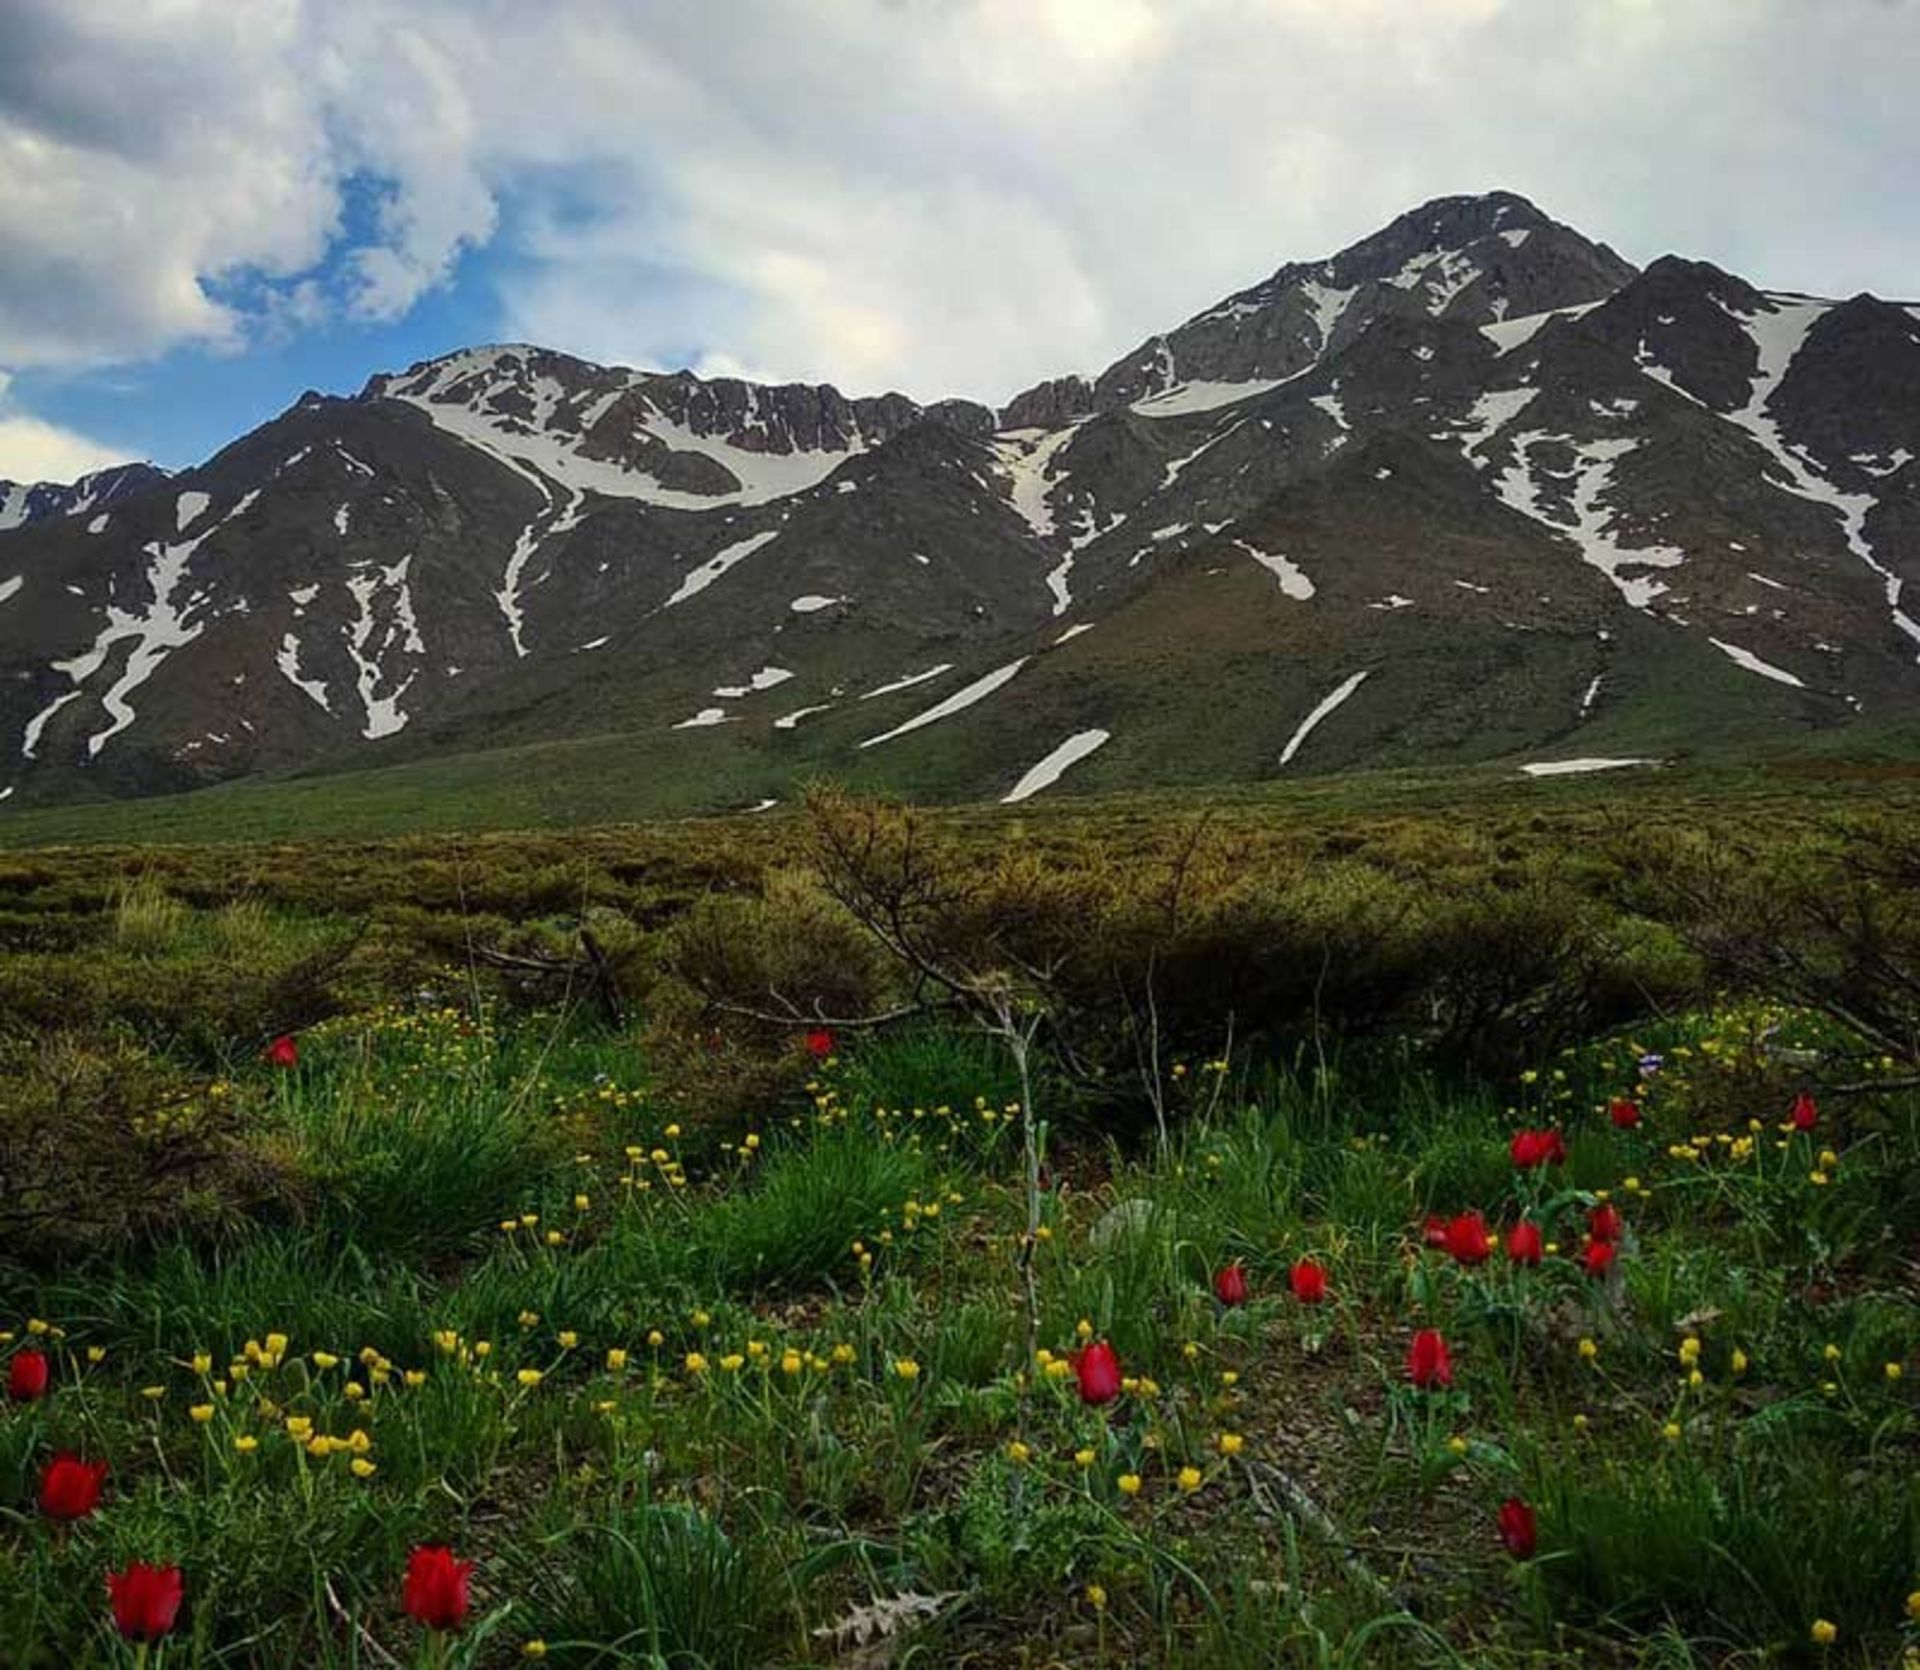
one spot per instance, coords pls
(102, 1145)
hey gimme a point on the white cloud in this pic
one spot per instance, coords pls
(947, 196)
(31, 450)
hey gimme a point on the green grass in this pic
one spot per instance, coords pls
(707, 1353)
(590, 781)
(793, 1443)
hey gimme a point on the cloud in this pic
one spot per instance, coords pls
(946, 196)
(32, 450)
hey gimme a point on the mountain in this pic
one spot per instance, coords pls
(22, 502)
(1474, 489)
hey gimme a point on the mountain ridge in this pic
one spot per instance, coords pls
(1459, 513)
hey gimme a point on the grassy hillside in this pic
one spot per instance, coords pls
(621, 778)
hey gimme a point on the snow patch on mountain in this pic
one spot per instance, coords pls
(528, 445)
(154, 634)
(1574, 768)
(1175, 466)
(1441, 273)
(288, 661)
(908, 682)
(371, 640)
(1025, 461)
(698, 579)
(163, 628)
(1488, 415)
(1592, 525)
(789, 721)
(1327, 704)
(1778, 332)
(1753, 664)
(1509, 334)
(1335, 408)
(1875, 463)
(1051, 769)
(1183, 399)
(188, 508)
(960, 700)
(1326, 305)
(1293, 580)
(765, 679)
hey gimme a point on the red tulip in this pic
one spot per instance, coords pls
(1308, 1281)
(1806, 1111)
(146, 1600)
(1428, 1364)
(1517, 1528)
(1604, 1222)
(1524, 1244)
(819, 1043)
(70, 1487)
(1434, 1231)
(1624, 1111)
(1099, 1371)
(1597, 1257)
(436, 1587)
(283, 1052)
(1537, 1148)
(27, 1377)
(1230, 1285)
(1467, 1238)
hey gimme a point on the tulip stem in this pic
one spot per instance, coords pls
(1017, 1035)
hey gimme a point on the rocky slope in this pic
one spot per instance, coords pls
(22, 502)
(1474, 488)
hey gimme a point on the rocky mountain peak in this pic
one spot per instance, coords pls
(1472, 488)
(1465, 259)
(26, 502)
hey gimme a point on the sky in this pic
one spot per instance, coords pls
(210, 206)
